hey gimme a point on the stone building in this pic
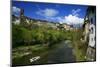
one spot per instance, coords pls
(89, 33)
(64, 26)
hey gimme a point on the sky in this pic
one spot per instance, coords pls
(62, 13)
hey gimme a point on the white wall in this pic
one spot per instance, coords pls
(5, 33)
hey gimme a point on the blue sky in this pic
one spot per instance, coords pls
(63, 13)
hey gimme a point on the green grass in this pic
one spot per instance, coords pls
(79, 48)
(20, 51)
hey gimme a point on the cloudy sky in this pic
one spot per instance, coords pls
(63, 13)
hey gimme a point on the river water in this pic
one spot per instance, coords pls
(60, 53)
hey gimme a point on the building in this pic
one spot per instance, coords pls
(64, 26)
(89, 33)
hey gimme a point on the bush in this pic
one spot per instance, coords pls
(38, 35)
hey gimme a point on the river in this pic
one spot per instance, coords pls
(62, 53)
(59, 53)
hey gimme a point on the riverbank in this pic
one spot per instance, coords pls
(47, 53)
(79, 47)
(59, 53)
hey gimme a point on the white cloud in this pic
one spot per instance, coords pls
(15, 10)
(75, 12)
(47, 12)
(74, 19)
(71, 19)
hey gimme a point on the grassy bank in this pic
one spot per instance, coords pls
(22, 54)
(79, 48)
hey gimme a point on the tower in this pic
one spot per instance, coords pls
(22, 19)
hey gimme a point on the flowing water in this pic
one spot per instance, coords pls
(61, 53)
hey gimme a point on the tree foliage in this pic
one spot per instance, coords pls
(38, 35)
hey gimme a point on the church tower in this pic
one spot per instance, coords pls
(22, 19)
